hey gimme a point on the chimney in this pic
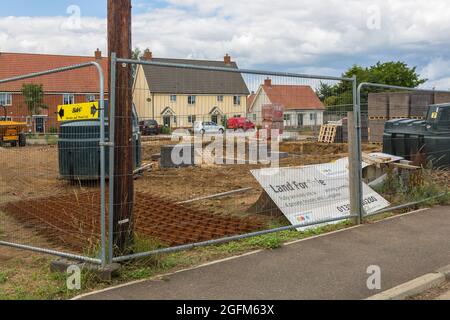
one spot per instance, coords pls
(98, 54)
(227, 59)
(268, 82)
(148, 55)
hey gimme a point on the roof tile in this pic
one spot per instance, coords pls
(294, 97)
(75, 81)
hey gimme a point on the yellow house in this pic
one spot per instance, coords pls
(177, 97)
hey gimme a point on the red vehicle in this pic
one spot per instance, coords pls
(240, 124)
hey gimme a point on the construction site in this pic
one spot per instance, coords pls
(110, 159)
(172, 206)
(66, 214)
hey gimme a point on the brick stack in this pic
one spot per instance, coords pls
(364, 129)
(397, 105)
(419, 104)
(441, 98)
(376, 130)
(379, 104)
(273, 117)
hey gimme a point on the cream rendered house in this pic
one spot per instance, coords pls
(177, 97)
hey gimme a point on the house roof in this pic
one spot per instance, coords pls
(294, 97)
(250, 100)
(194, 81)
(83, 80)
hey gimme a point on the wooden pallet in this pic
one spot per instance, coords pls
(328, 133)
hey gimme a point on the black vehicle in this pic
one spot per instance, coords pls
(149, 127)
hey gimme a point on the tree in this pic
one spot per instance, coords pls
(137, 54)
(340, 96)
(33, 95)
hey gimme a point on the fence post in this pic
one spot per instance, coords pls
(112, 115)
(355, 156)
(102, 167)
(352, 163)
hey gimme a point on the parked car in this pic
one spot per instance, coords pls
(149, 127)
(240, 124)
(208, 127)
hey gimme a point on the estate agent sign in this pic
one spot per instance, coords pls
(314, 193)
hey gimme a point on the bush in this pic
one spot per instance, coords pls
(166, 130)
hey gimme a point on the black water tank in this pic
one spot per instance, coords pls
(79, 150)
(437, 149)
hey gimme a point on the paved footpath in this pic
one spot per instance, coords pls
(327, 267)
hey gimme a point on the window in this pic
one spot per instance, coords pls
(68, 98)
(237, 100)
(313, 116)
(192, 119)
(90, 97)
(5, 99)
(192, 100)
(287, 117)
(8, 118)
(173, 98)
(219, 98)
(254, 117)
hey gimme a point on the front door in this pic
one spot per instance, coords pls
(40, 125)
(167, 121)
(300, 120)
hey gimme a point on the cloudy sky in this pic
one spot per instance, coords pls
(320, 37)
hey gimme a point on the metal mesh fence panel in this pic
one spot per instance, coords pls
(50, 160)
(234, 153)
(412, 126)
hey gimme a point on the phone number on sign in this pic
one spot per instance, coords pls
(346, 208)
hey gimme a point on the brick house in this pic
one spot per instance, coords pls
(303, 107)
(75, 86)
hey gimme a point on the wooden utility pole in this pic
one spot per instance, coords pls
(119, 41)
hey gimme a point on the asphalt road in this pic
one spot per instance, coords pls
(333, 266)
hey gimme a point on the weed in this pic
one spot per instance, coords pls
(3, 277)
(270, 241)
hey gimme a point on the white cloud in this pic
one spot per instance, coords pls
(437, 70)
(284, 34)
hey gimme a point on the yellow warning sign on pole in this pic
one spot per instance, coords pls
(78, 111)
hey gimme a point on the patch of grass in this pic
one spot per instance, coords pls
(271, 241)
(166, 263)
(3, 277)
(401, 191)
(25, 279)
(51, 139)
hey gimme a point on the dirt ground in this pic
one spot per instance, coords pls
(32, 173)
